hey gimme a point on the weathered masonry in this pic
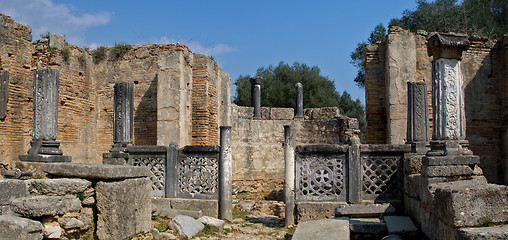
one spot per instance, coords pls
(404, 57)
(178, 95)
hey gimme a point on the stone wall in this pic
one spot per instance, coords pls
(166, 104)
(258, 144)
(403, 57)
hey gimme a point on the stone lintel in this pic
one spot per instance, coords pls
(95, 171)
(450, 160)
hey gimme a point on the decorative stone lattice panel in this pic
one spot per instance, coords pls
(157, 167)
(381, 177)
(198, 175)
(321, 177)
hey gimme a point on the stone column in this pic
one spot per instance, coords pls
(449, 124)
(299, 101)
(418, 134)
(45, 148)
(256, 96)
(4, 93)
(123, 123)
(289, 174)
(225, 175)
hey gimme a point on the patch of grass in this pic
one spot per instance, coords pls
(227, 231)
(66, 54)
(239, 213)
(82, 59)
(120, 49)
(45, 35)
(207, 231)
(80, 196)
(162, 224)
(487, 222)
(99, 54)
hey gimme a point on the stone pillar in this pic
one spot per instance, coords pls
(299, 101)
(45, 148)
(256, 96)
(4, 93)
(171, 170)
(225, 175)
(449, 126)
(289, 174)
(123, 122)
(418, 134)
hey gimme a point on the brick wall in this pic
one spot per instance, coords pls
(375, 96)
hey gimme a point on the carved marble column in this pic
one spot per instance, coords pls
(45, 148)
(299, 101)
(418, 134)
(225, 175)
(256, 96)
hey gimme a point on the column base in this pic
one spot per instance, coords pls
(449, 148)
(45, 158)
(45, 151)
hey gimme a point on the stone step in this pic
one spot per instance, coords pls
(492, 233)
(363, 211)
(323, 229)
(367, 226)
(401, 225)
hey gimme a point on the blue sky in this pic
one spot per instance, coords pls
(241, 35)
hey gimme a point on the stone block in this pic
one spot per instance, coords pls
(52, 230)
(56, 41)
(316, 210)
(450, 160)
(324, 113)
(337, 228)
(281, 113)
(446, 171)
(171, 213)
(13, 227)
(471, 203)
(95, 171)
(367, 225)
(214, 223)
(38, 206)
(60, 186)
(186, 226)
(412, 185)
(362, 211)
(11, 189)
(401, 225)
(491, 233)
(208, 207)
(123, 207)
(413, 164)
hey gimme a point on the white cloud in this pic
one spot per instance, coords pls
(45, 16)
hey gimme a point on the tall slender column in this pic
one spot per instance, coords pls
(45, 148)
(299, 101)
(256, 96)
(289, 174)
(123, 123)
(418, 134)
(225, 175)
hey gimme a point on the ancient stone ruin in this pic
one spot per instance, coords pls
(154, 148)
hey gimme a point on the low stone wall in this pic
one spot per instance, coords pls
(80, 201)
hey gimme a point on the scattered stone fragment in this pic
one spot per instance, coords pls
(69, 223)
(52, 230)
(155, 233)
(88, 201)
(186, 226)
(166, 235)
(13, 227)
(214, 223)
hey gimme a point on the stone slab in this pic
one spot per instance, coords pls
(38, 206)
(367, 225)
(206, 206)
(361, 211)
(323, 229)
(123, 208)
(11, 189)
(317, 210)
(401, 225)
(447, 171)
(450, 160)
(471, 203)
(45, 158)
(95, 171)
(186, 226)
(491, 233)
(60, 186)
(13, 227)
(171, 213)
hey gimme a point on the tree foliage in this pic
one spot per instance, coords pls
(278, 90)
(474, 17)
(358, 55)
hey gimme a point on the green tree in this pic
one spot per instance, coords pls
(358, 55)
(278, 90)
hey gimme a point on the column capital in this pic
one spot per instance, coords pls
(447, 45)
(256, 80)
